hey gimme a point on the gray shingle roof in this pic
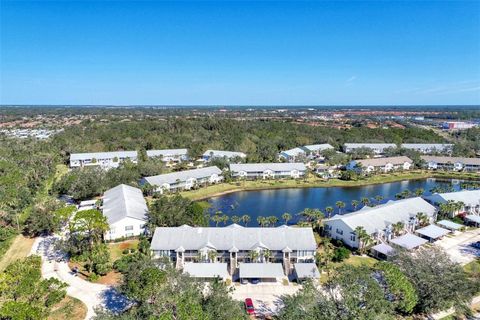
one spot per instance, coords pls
(103, 155)
(124, 201)
(293, 152)
(379, 217)
(409, 241)
(233, 238)
(378, 162)
(306, 270)
(465, 161)
(166, 152)
(316, 147)
(468, 197)
(473, 218)
(261, 270)
(206, 270)
(432, 231)
(260, 167)
(182, 175)
(224, 153)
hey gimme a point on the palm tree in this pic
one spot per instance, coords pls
(212, 255)
(340, 205)
(363, 238)
(422, 219)
(253, 255)
(246, 219)
(398, 227)
(235, 219)
(262, 221)
(224, 219)
(419, 192)
(217, 219)
(365, 201)
(329, 211)
(286, 217)
(272, 220)
(378, 198)
(267, 254)
(355, 204)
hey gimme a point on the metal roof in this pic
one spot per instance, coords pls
(316, 147)
(409, 241)
(223, 153)
(370, 145)
(182, 176)
(167, 152)
(233, 238)
(384, 249)
(293, 152)
(432, 231)
(103, 155)
(378, 218)
(462, 160)
(468, 197)
(124, 201)
(206, 270)
(261, 167)
(376, 162)
(306, 270)
(427, 146)
(473, 218)
(450, 224)
(261, 270)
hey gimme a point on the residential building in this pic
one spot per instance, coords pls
(381, 164)
(470, 199)
(103, 159)
(169, 155)
(126, 212)
(293, 155)
(458, 125)
(268, 170)
(220, 154)
(429, 148)
(378, 148)
(234, 245)
(452, 163)
(327, 172)
(185, 180)
(316, 149)
(378, 221)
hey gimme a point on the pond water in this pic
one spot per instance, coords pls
(278, 201)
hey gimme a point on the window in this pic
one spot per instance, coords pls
(352, 237)
(339, 231)
(128, 228)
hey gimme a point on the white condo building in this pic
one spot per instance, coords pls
(381, 164)
(268, 170)
(103, 159)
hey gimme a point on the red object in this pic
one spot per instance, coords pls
(249, 306)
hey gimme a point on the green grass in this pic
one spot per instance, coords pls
(117, 248)
(69, 308)
(352, 261)
(314, 181)
(472, 268)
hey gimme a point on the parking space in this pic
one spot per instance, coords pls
(265, 296)
(459, 246)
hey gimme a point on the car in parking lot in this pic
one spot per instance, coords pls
(249, 306)
(254, 281)
(476, 244)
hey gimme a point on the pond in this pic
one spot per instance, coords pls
(278, 201)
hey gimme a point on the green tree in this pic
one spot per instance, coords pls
(355, 204)
(340, 205)
(246, 219)
(286, 217)
(329, 211)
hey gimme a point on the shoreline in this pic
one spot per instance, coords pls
(339, 183)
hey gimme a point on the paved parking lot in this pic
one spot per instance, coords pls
(265, 296)
(458, 246)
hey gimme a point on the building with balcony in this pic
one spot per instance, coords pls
(105, 160)
(268, 170)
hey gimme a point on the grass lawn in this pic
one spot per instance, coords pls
(472, 267)
(19, 249)
(69, 308)
(117, 248)
(353, 261)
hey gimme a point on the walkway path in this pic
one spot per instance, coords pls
(91, 294)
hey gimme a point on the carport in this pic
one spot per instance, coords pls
(447, 224)
(432, 232)
(206, 271)
(473, 219)
(409, 241)
(306, 271)
(382, 251)
(266, 272)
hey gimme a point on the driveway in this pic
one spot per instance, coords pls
(265, 296)
(93, 295)
(458, 246)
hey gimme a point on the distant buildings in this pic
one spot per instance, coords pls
(458, 125)
(428, 148)
(126, 212)
(378, 221)
(185, 180)
(268, 170)
(220, 154)
(255, 252)
(103, 159)
(40, 134)
(293, 155)
(306, 152)
(169, 155)
(377, 148)
(452, 163)
(380, 164)
(470, 199)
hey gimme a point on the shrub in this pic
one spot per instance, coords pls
(93, 277)
(341, 254)
(125, 251)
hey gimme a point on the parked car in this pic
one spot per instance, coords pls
(243, 281)
(476, 244)
(249, 306)
(254, 281)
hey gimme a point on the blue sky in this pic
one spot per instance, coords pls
(240, 53)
